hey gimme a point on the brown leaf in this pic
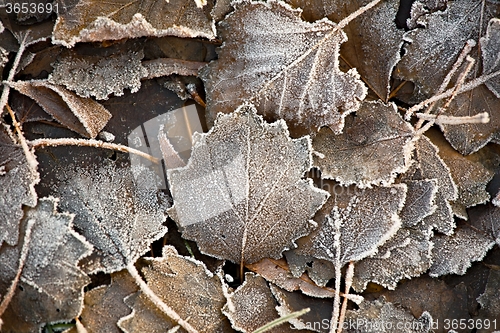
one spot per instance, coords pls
(241, 196)
(252, 305)
(490, 52)
(375, 146)
(486, 219)
(288, 68)
(51, 284)
(81, 115)
(490, 302)
(184, 284)
(91, 21)
(319, 270)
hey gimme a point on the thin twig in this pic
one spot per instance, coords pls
(157, 301)
(348, 283)
(90, 143)
(22, 260)
(360, 11)
(336, 299)
(480, 118)
(27, 152)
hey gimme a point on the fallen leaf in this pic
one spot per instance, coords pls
(184, 284)
(287, 67)
(118, 210)
(406, 255)
(486, 219)
(81, 115)
(454, 254)
(490, 302)
(51, 284)
(90, 75)
(419, 201)
(252, 305)
(104, 306)
(93, 21)
(375, 146)
(319, 270)
(490, 52)
(241, 196)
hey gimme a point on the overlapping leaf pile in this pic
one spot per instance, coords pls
(320, 168)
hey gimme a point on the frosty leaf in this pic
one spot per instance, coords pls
(184, 284)
(489, 300)
(490, 51)
(374, 30)
(319, 270)
(454, 254)
(51, 283)
(433, 51)
(241, 196)
(375, 146)
(99, 76)
(486, 218)
(419, 201)
(117, 210)
(91, 21)
(11, 153)
(287, 67)
(104, 305)
(276, 271)
(356, 225)
(407, 254)
(81, 115)
(252, 305)
(380, 316)
(428, 165)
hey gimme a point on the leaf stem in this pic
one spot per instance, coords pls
(157, 301)
(91, 143)
(348, 283)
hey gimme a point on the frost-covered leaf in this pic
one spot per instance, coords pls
(356, 225)
(454, 254)
(51, 284)
(419, 201)
(277, 272)
(376, 145)
(104, 306)
(380, 316)
(319, 270)
(91, 21)
(186, 286)
(89, 75)
(252, 305)
(118, 210)
(490, 52)
(287, 67)
(407, 254)
(241, 196)
(489, 300)
(428, 165)
(486, 218)
(374, 30)
(11, 153)
(433, 50)
(469, 173)
(82, 115)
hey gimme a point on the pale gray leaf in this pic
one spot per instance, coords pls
(419, 201)
(287, 67)
(241, 196)
(487, 219)
(376, 145)
(319, 270)
(490, 51)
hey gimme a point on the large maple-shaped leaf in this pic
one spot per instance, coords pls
(90, 21)
(287, 67)
(375, 146)
(241, 196)
(51, 284)
(117, 209)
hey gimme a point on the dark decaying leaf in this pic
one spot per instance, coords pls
(380, 316)
(489, 300)
(406, 255)
(104, 306)
(11, 153)
(433, 50)
(82, 115)
(287, 67)
(186, 286)
(252, 305)
(241, 196)
(454, 254)
(490, 52)
(486, 218)
(419, 201)
(91, 21)
(118, 210)
(89, 75)
(355, 225)
(374, 30)
(376, 145)
(51, 284)
(427, 166)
